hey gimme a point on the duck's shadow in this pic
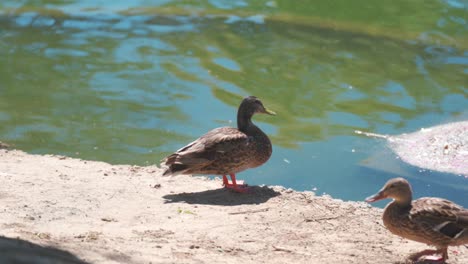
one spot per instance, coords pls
(223, 196)
(16, 250)
(420, 262)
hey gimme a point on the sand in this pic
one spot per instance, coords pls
(62, 210)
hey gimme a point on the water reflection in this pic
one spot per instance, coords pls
(131, 88)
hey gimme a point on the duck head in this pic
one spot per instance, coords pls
(398, 189)
(252, 105)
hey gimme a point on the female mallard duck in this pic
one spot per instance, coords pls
(225, 150)
(429, 220)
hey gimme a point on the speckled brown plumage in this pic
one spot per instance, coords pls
(429, 220)
(225, 150)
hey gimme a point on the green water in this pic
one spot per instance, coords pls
(131, 81)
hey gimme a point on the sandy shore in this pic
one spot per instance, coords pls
(62, 210)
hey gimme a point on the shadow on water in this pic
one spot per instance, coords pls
(224, 196)
(15, 250)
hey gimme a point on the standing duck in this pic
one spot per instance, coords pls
(225, 150)
(434, 221)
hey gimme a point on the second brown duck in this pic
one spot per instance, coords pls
(433, 221)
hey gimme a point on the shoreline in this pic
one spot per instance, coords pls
(67, 210)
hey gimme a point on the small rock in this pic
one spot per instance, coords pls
(108, 219)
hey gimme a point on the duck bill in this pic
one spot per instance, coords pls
(269, 112)
(376, 197)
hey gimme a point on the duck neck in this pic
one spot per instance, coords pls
(244, 122)
(403, 202)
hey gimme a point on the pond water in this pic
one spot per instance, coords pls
(128, 82)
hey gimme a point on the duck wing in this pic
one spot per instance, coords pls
(441, 216)
(205, 150)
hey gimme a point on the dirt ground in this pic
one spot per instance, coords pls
(55, 209)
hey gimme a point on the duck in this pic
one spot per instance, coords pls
(434, 221)
(225, 150)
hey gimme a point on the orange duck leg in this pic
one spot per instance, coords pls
(240, 188)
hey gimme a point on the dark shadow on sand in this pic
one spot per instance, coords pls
(223, 196)
(421, 262)
(18, 251)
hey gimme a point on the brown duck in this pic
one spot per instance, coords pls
(225, 150)
(434, 221)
